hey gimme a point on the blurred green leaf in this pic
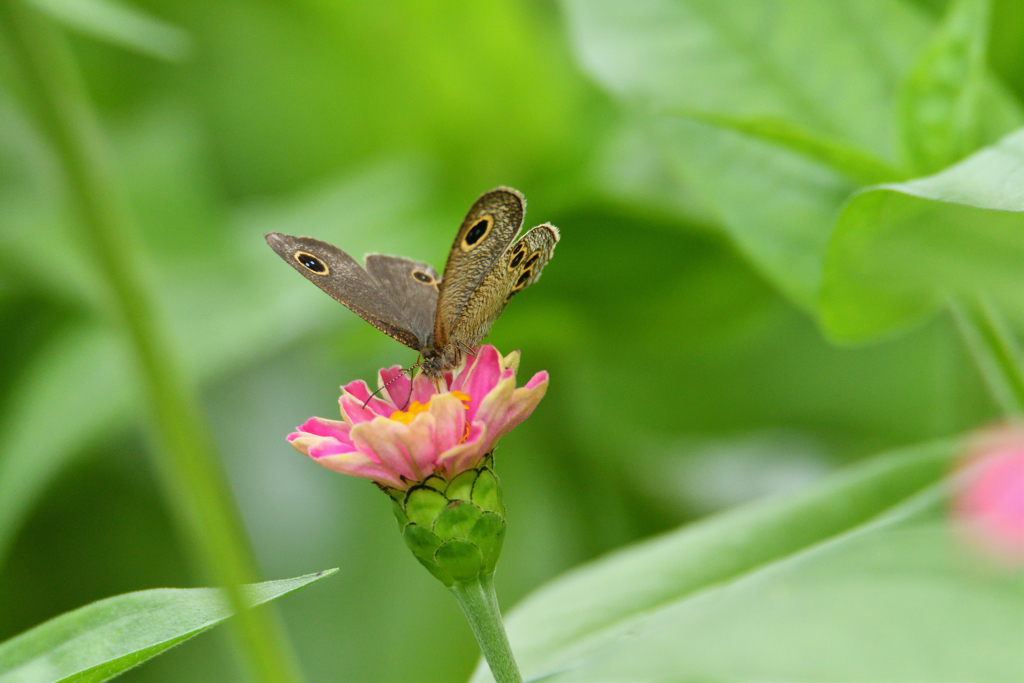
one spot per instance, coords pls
(77, 386)
(629, 165)
(995, 349)
(899, 250)
(99, 641)
(828, 67)
(781, 143)
(856, 579)
(774, 203)
(949, 105)
(939, 103)
(851, 162)
(121, 24)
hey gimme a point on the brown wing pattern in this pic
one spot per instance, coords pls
(490, 226)
(518, 268)
(338, 274)
(412, 287)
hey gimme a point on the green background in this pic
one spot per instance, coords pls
(690, 370)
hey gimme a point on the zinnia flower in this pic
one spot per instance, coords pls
(413, 432)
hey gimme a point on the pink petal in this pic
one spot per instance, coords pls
(480, 378)
(358, 465)
(422, 389)
(462, 373)
(360, 392)
(418, 441)
(538, 379)
(505, 407)
(321, 427)
(396, 383)
(354, 413)
(317, 446)
(326, 447)
(379, 439)
(304, 442)
(511, 361)
(449, 421)
(466, 455)
(990, 502)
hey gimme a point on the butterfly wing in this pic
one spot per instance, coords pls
(338, 274)
(412, 286)
(490, 226)
(516, 270)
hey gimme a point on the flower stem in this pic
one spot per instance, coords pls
(48, 81)
(995, 351)
(480, 605)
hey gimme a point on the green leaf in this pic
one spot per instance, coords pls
(121, 24)
(777, 205)
(797, 101)
(77, 386)
(101, 640)
(779, 145)
(939, 101)
(752, 589)
(828, 67)
(949, 105)
(899, 250)
(856, 165)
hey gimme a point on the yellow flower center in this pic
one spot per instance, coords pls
(415, 408)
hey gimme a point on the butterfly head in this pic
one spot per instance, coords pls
(434, 365)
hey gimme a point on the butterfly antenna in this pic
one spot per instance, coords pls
(386, 384)
(411, 380)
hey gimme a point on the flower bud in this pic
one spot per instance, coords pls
(454, 528)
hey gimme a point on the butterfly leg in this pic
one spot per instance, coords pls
(466, 347)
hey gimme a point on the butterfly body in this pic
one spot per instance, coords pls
(445, 318)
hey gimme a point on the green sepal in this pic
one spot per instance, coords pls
(457, 535)
(461, 487)
(435, 482)
(487, 493)
(488, 534)
(461, 559)
(422, 504)
(456, 520)
(438, 573)
(422, 542)
(396, 507)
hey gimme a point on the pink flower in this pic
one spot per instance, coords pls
(989, 498)
(436, 433)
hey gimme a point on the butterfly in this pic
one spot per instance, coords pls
(407, 300)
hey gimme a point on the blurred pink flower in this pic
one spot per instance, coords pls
(989, 496)
(437, 433)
